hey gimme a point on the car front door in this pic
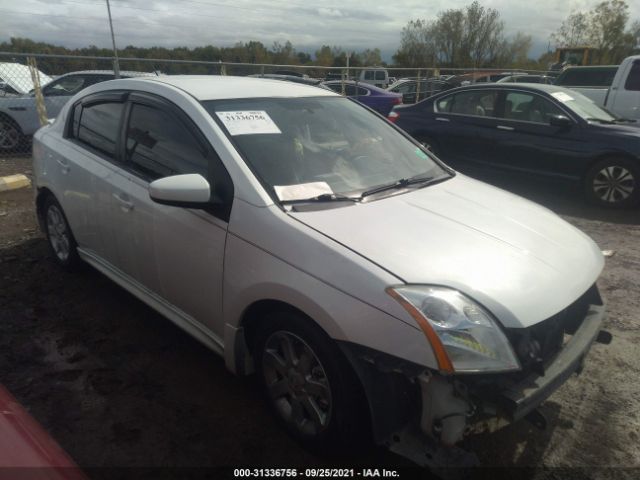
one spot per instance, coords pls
(525, 140)
(176, 253)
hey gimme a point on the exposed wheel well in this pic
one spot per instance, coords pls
(605, 156)
(43, 194)
(257, 311)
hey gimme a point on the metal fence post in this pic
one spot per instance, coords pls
(418, 88)
(35, 77)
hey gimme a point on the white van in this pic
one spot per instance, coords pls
(375, 76)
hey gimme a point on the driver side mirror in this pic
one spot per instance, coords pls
(560, 121)
(189, 191)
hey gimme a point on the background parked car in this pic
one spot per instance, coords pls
(376, 98)
(542, 129)
(17, 79)
(617, 88)
(306, 80)
(527, 79)
(19, 117)
(408, 87)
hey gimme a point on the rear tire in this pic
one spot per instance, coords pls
(613, 182)
(309, 385)
(62, 244)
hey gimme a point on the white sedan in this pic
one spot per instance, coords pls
(370, 286)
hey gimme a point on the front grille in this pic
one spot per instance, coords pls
(538, 345)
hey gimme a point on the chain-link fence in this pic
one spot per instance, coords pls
(34, 87)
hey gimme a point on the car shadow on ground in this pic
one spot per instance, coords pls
(564, 197)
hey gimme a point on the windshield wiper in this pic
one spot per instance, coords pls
(325, 197)
(402, 183)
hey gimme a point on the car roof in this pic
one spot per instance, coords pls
(546, 88)
(123, 73)
(362, 84)
(222, 87)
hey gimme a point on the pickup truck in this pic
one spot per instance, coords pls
(617, 88)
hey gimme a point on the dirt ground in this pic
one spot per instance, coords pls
(117, 385)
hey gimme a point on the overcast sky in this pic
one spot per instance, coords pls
(354, 25)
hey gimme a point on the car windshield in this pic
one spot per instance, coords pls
(584, 107)
(303, 147)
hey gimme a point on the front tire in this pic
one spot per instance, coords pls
(62, 244)
(309, 385)
(11, 138)
(613, 182)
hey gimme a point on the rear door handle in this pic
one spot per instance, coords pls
(63, 165)
(504, 127)
(125, 204)
(442, 119)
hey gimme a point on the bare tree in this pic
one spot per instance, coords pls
(470, 36)
(573, 32)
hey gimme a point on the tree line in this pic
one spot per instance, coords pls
(472, 36)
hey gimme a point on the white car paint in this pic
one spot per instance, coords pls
(518, 260)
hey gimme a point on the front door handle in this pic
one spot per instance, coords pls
(504, 127)
(442, 119)
(125, 204)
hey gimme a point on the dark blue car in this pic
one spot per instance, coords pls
(378, 99)
(533, 128)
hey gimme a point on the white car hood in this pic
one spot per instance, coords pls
(518, 259)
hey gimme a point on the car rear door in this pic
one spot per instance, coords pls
(525, 140)
(466, 120)
(81, 164)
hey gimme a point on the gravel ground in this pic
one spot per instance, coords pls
(119, 386)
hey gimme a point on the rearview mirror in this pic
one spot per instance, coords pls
(559, 121)
(191, 191)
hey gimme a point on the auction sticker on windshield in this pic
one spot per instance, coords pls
(562, 97)
(248, 122)
(302, 191)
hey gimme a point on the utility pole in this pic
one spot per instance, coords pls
(116, 64)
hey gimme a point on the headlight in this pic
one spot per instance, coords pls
(463, 335)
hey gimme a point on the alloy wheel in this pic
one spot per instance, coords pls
(58, 233)
(9, 135)
(614, 184)
(297, 383)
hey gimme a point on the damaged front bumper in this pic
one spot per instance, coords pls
(417, 412)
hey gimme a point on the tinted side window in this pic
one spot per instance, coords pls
(476, 103)
(529, 108)
(444, 104)
(336, 87)
(368, 75)
(99, 125)
(380, 76)
(633, 80)
(600, 77)
(159, 145)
